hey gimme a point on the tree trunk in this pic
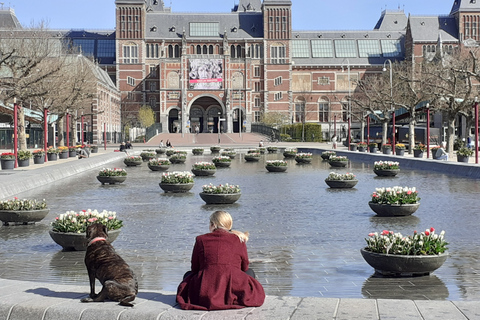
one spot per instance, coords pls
(450, 134)
(384, 131)
(22, 137)
(61, 140)
(411, 131)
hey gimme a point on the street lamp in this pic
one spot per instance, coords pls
(349, 111)
(218, 129)
(15, 130)
(476, 130)
(81, 129)
(391, 102)
(428, 130)
(68, 129)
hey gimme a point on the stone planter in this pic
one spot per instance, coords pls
(176, 187)
(197, 152)
(339, 164)
(112, 179)
(362, 149)
(326, 156)
(341, 184)
(23, 163)
(289, 155)
(63, 155)
(248, 157)
(418, 153)
(276, 168)
(72, 153)
(160, 150)
(131, 163)
(39, 160)
(177, 160)
(403, 265)
(387, 150)
(393, 210)
(22, 216)
(204, 173)
(7, 164)
(373, 149)
(272, 150)
(461, 158)
(222, 164)
(77, 241)
(353, 147)
(214, 150)
(169, 152)
(94, 149)
(52, 156)
(386, 172)
(212, 198)
(303, 160)
(399, 152)
(159, 168)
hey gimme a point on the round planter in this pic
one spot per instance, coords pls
(222, 164)
(176, 187)
(251, 158)
(403, 265)
(276, 168)
(23, 163)
(178, 160)
(362, 149)
(462, 158)
(63, 155)
(341, 184)
(272, 150)
(77, 241)
(72, 153)
(7, 164)
(289, 155)
(94, 150)
(112, 179)
(418, 153)
(39, 160)
(215, 150)
(22, 216)
(209, 172)
(159, 168)
(353, 147)
(227, 198)
(231, 156)
(169, 152)
(303, 160)
(130, 163)
(197, 153)
(52, 156)
(399, 152)
(373, 149)
(386, 172)
(387, 151)
(338, 163)
(393, 210)
(160, 150)
(326, 156)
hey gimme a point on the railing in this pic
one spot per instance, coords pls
(272, 133)
(153, 130)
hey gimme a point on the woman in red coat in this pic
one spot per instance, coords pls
(220, 278)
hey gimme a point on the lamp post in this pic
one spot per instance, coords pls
(476, 130)
(428, 130)
(349, 111)
(68, 129)
(15, 130)
(81, 128)
(105, 136)
(45, 132)
(335, 130)
(368, 129)
(218, 124)
(391, 102)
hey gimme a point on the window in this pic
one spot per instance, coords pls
(345, 49)
(131, 81)
(369, 48)
(130, 53)
(87, 46)
(204, 29)
(277, 96)
(257, 102)
(391, 48)
(344, 111)
(299, 111)
(323, 110)
(256, 51)
(153, 71)
(257, 116)
(323, 81)
(277, 54)
(301, 48)
(322, 49)
(257, 87)
(152, 102)
(256, 71)
(277, 81)
(106, 48)
(153, 86)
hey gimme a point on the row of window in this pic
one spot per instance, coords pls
(346, 48)
(431, 49)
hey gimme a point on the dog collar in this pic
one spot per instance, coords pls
(95, 240)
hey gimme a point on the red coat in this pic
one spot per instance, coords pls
(218, 280)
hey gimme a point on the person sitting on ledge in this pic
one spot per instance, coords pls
(83, 153)
(220, 278)
(122, 147)
(441, 153)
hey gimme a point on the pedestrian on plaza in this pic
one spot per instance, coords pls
(441, 153)
(128, 145)
(168, 144)
(122, 147)
(197, 129)
(260, 144)
(334, 141)
(220, 278)
(161, 143)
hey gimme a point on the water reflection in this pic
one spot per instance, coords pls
(304, 236)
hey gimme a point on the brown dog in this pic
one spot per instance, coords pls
(103, 263)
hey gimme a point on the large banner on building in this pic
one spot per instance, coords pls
(206, 74)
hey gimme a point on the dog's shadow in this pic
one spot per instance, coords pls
(169, 299)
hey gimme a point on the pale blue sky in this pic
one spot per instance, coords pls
(307, 14)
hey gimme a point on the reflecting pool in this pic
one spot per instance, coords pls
(304, 237)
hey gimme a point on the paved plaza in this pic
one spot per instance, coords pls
(37, 300)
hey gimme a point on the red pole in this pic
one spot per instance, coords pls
(105, 136)
(68, 132)
(393, 132)
(368, 129)
(349, 128)
(15, 130)
(476, 131)
(45, 132)
(428, 131)
(81, 130)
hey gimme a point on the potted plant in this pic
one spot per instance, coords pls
(418, 150)
(434, 151)
(7, 160)
(160, 150)
(303, 157)
(276, 165)
(197, 151)
(69, 229)
(169, 152)
(399, 149)
(362, 146)
(222, 161)
(112, 176)
(387, 148)
(221, 194)
(341, 180)
(38, 156)
(229, 153)
(177, 181)
(52, 154)
(463, 154)
(373, 146)
(252, 156)
(261, 150)
(338, 161)
(327, 154)
(393, 254)
(353, 146)
(23, 158)
(147, 155)
(178, 157)
(290, 153)
(159, 164)
(62, 152)
(395, 201)
(272, 149)
(22, 211)
(93, 148)
(72, 151)
(132, 161)
(215, 149)
(386, 168)
(204, 169)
